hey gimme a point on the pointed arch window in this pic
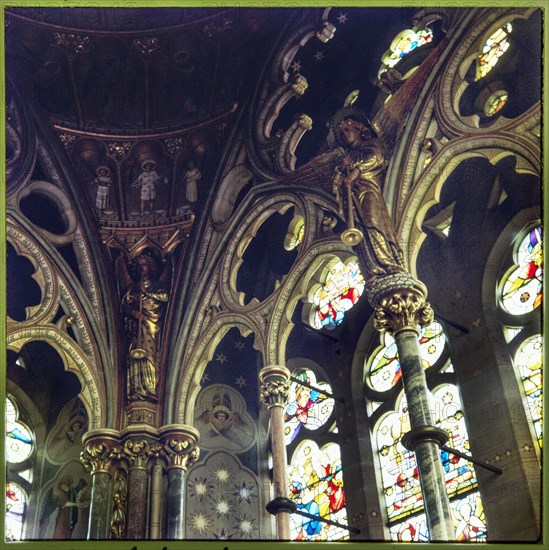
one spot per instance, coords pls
(405, 42)
(19, 448)
(342, 287)
(523, 286)
(315, 475)
(492, 50)
(520, 298)
(399, 473)
(528, 362)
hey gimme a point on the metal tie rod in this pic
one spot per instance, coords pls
(494, 469)
(285, 504)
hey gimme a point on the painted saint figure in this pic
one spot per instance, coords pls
(104, 183)
(147, 182)
(143, 304)
(192, 177)
(64, 509)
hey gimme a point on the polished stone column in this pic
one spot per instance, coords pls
(400, 306)
(274, 392)
(180, 451)
(156, 499)
(137, 452)
(101, 450)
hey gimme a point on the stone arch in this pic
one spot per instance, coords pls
(50, 192)
(242, 237)
(25, 246)
(426, 191)
(295, 288)
(187, 386)
(451, 87)
(74, 360)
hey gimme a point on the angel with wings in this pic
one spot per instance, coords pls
(225, 422)
(353, 165)
(144, 298)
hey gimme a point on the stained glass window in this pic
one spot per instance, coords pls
(400, 476)
(468, 517)
(295, 234)
(492, 50)
(398, 466)
(495, 102)
(18, 437)
(523, 288)
(528, 361)
(315, 476)
(384, 372)
(459, 474)
(16, 501)
(405, 42)
(522, 295)
(469, 520)
(316, 485)
(19, 447)
(343, 287)
(307, 407)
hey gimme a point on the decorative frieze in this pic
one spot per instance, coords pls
(72, 43)
(146, 46)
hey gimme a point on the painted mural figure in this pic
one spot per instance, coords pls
(361, 170)
(147, 182)
(143, 304)
(192, 177)
(63, 509)
(104, 183)
(220, 423)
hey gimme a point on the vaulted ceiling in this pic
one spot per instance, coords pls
(123, 86)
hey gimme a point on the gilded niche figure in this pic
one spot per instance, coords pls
(144, 300)
(358, 185)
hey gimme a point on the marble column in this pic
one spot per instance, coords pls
(274, 392)
(101, 450)
(400, 307)
(137, 452)
(180, 451)
(156, 499)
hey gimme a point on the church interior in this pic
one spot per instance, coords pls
(273, 274)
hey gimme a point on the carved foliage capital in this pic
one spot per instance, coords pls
(275, 386)
(403, 310)
(137, 452)
(274, 393)
(180, 452)
(99, 456)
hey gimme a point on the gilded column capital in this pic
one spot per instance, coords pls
(179, 444)
(275, 386)
(99, 456)
(137, 452)
(400, 304)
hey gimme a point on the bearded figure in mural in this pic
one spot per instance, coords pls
(144, 299)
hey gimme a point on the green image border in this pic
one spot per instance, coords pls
(230, 544)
